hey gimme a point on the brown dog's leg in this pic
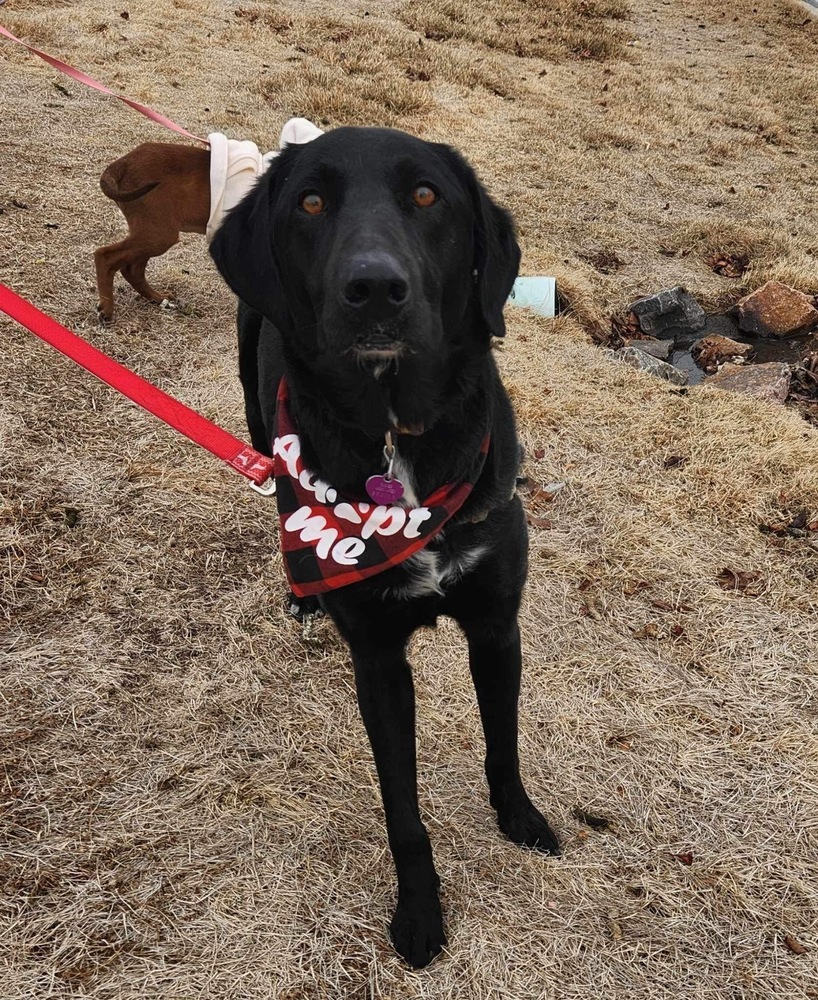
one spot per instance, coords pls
(107, 261)
(134, 274)
(131, 257)
(143, 246)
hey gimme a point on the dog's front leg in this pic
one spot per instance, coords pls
(495, 661)
(386, 697)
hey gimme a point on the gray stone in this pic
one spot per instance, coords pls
(722, 325)
(668, 313)
(770, 382)
(661, 349)
(653, 366)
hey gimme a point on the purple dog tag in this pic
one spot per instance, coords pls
(383, 490)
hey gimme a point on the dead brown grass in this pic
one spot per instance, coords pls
(543, 29)
(366, 73)
(188, 805)
(332, 94)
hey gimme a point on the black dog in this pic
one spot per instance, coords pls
(372, 270)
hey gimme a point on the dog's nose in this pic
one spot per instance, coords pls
(375, 284)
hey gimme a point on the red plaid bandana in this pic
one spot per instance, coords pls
(330, 541)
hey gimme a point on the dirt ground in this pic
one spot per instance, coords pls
(188, 806)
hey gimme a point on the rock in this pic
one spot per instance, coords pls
(770, 382)
(653, 366)
(712, 351)
(661, 349)
(776, 310)
(721, 325)
(669, 313)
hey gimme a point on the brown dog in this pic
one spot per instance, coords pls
(162, 189)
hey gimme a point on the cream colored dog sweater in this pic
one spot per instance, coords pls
(235, 165)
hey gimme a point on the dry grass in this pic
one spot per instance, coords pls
(543, 28)
(188, 803)
(329, 95)
(348, 72)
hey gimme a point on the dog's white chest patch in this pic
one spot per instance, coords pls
(429, 572)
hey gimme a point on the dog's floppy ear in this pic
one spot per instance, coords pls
(496, 259)
(496, 251)
(243, 249)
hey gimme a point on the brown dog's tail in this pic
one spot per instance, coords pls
(111, 180)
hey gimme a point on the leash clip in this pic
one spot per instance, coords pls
(267, 489)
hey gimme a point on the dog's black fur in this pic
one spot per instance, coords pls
(380, 311)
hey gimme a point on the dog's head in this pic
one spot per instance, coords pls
(376, 254)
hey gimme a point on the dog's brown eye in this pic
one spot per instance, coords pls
(313, 204)
(423, 196)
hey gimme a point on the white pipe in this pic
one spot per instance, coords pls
(537, 293)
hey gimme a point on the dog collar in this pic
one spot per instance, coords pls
(330, 541)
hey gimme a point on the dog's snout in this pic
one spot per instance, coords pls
(375, 284)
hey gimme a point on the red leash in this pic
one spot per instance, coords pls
(256, 467)
(89, 81)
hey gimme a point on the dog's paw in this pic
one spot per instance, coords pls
(417, 931)
(526, 826)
